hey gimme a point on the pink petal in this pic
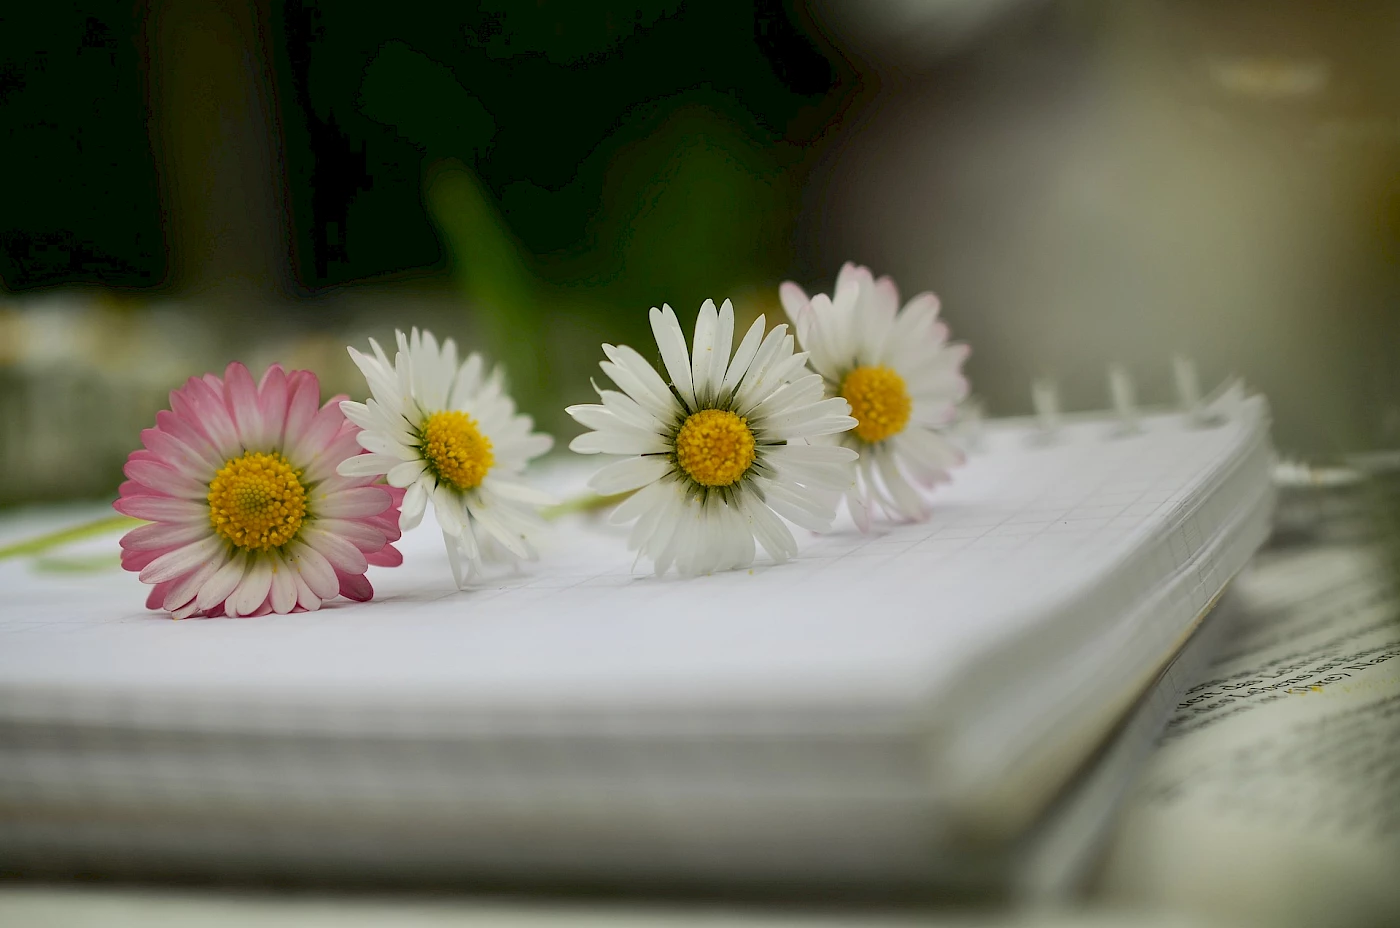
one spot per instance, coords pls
(342, 555)
(323, 464)
(164, 479)
(177, 454)
(355, 586)
(241, 395)
(304, 397)
(387, 556)
(360, 534)
(136, 560)
(156, 596)
(354, 503)
(165, 535)
(170, 422)
(204, 409)
(312, 440)
(388, 523)
(161, 508)
(181, 561)
(272, 402)
(312, 566)
(130, 488)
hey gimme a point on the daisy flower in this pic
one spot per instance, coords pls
(719, 453)
(901, 377)
(449, 433)
(248, 515)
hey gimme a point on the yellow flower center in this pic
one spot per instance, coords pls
(879, 402)
(714, 447)
(455, 449)
(257, 501)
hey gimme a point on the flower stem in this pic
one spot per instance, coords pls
(42, 543)
(588, 503)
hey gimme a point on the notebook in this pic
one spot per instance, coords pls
(864, 715)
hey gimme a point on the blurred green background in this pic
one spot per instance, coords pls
(1083, 182)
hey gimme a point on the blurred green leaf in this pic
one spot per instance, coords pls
(491, 270)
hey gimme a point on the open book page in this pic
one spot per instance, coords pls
(1276, 791)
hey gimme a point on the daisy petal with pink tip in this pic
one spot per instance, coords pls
(247, 515)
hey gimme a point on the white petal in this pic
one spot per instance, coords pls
(468, 383)
(454, 559)
(739, 364)
(599, 417)
(313, 568)
(620, 441)
(218, 587)
(770, 531)
(629, 474)
(799, 506)
(793, 299)
(449, 509)
(380, 378)
(703, 349)
(306, 599)
(185, 590)
(284, 586)
(407, 473)
(828, 412)
(671, 341)
(776, 347)
(181, 561)
(367, 465)
(639, 380)
(723, 341)
(489, 517)
(645, 499)
(415, 502)
(382, 444)
(905, 497)
(252, 589)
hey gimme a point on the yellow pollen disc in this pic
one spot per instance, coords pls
(455, 449)
(257, 501)
(714, 447)
(879, 402)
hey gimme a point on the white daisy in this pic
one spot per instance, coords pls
(719, 453)
(450, 433)
(901, 377)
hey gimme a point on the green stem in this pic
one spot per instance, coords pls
(589, 503)
(63, 536)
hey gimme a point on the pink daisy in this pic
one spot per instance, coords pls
(248, 515)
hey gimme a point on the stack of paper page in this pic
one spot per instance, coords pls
(868, 714)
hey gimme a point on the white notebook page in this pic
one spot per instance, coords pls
(880, 620)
